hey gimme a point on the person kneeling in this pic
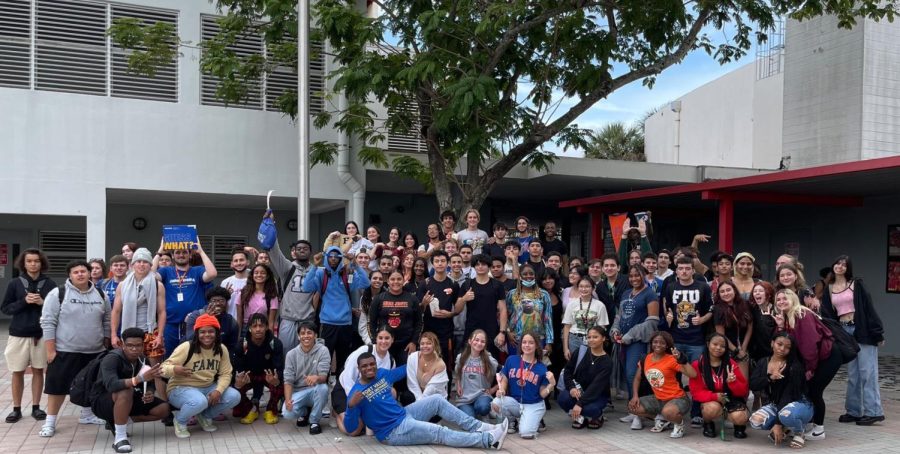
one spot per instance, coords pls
(199, 373)
(659, 367)
(522, 385)
(260, 358)
(305, 379)
(720, 386)
(584, 387)
(125, 387)
(371, 400)
(781, 378)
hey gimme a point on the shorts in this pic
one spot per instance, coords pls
(103, 406)
(654, 406)
(22, 352)
(62, 371)
(338, 398)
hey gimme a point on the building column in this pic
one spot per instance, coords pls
(596, 233)
(95, 230)
(726, 224)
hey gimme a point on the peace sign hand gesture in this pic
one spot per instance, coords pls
(731, 376)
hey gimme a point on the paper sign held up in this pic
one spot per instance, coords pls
(177, 237)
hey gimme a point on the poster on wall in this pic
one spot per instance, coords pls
(893, 260)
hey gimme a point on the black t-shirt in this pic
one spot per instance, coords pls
(495, 250)
(538, 267)
(446, 292)
(400, 313)
(687, 302)
(481, 312)
(508, 285)
(557, 245)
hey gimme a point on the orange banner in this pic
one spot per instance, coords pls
(616, 221)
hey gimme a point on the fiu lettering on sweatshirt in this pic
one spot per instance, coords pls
(205, 367)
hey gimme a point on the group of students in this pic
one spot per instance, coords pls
(464, 327)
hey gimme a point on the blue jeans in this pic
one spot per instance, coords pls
(193, 401)
(311, 396)
(528, 415)
(863, 392)
(793, 416)
(693, 352)
(416, 430)
(590, 410)
(481, 406)
(634, 353)
(575, 341)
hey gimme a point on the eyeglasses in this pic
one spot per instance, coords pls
(134, 346)
(217, 300)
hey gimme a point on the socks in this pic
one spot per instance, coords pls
(18, 409)
(86, 412)
(50, 421)
(35, 407)
(121, 432)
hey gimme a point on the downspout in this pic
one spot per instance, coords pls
(357, 200)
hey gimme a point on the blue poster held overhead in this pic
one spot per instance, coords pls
(177, 237)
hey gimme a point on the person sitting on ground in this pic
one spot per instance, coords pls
(659, 368)
(306, 379)
(426, 373)
(586, 381)
(720, 385)
(261, 359)
(199, 373)
(474, 377)
(371, 400)
(781, 378)
(524, 383)
(381, 349)
(125, 388)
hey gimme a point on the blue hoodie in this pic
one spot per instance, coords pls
(335, 300)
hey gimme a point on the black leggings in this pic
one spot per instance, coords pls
(825, 372)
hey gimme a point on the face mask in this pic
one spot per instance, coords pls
(528, 283)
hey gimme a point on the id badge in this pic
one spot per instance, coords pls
(180, 297)
(349, 278)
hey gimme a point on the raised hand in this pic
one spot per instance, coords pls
(731, 376)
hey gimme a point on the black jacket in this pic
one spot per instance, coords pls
(26, 318)
(256, 358)
(869, 329)
(612, 301)
(791, 388)
(114, 368)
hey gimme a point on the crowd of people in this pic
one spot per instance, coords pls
(390, 335)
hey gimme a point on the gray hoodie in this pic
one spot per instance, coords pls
(80, 323)
(299, 364)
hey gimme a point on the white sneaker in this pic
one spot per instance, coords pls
(180, 430)
(206, 424)
(815, 433)
(636, 423)
(498, 434)
(660, 425)
(627, 418)
(677, 431)
(92, 419)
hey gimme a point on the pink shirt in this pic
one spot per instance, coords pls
(843, 302)
(257, 305)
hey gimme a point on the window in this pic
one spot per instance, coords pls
(282, 78)
(219, 247)
(61, 45)
(411, 140)
(61, 248)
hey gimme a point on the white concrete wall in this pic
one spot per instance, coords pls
(75, 146)
(732, 121)
(823, 80)
(881, 91)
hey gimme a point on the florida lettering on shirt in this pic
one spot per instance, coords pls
(527, 374)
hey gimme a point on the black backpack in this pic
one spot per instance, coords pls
(843, 341)
(62, 293)
(82, 391)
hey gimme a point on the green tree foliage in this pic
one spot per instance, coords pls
(487, 84)
(616, 141)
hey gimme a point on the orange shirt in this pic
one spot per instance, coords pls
(661, 375)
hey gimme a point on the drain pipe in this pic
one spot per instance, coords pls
(357, 200)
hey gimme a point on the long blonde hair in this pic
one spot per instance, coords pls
(796, 311)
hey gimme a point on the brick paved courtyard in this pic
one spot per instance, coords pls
(284, 437)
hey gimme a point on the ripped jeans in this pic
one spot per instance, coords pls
(793, 416)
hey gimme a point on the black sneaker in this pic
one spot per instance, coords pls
(847, 417)
(39, 414)
(167, 421)
(302, 421)
(869, 420)
(315, 429)
(542, 427)
(14, 416)
(513, 427)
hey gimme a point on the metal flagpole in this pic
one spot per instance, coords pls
(303, 116)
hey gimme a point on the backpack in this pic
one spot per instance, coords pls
(561, 383)
(40, 284)
(81, 392)
(842, 340)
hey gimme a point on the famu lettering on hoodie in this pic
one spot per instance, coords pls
(204, 365)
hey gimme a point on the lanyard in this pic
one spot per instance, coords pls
(181, 277)
(522, 371)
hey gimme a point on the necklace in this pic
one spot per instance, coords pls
(594, 358)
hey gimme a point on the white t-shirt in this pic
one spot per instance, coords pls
(475, 238)
(350, 374)
(583, 316)
(236, 284)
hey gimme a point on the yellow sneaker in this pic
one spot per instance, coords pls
(270, 417)
(252, 416)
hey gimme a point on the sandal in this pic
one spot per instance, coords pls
(579, 425)
(47, 431)
(798, 442)
(595, 423)
(122, 446)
